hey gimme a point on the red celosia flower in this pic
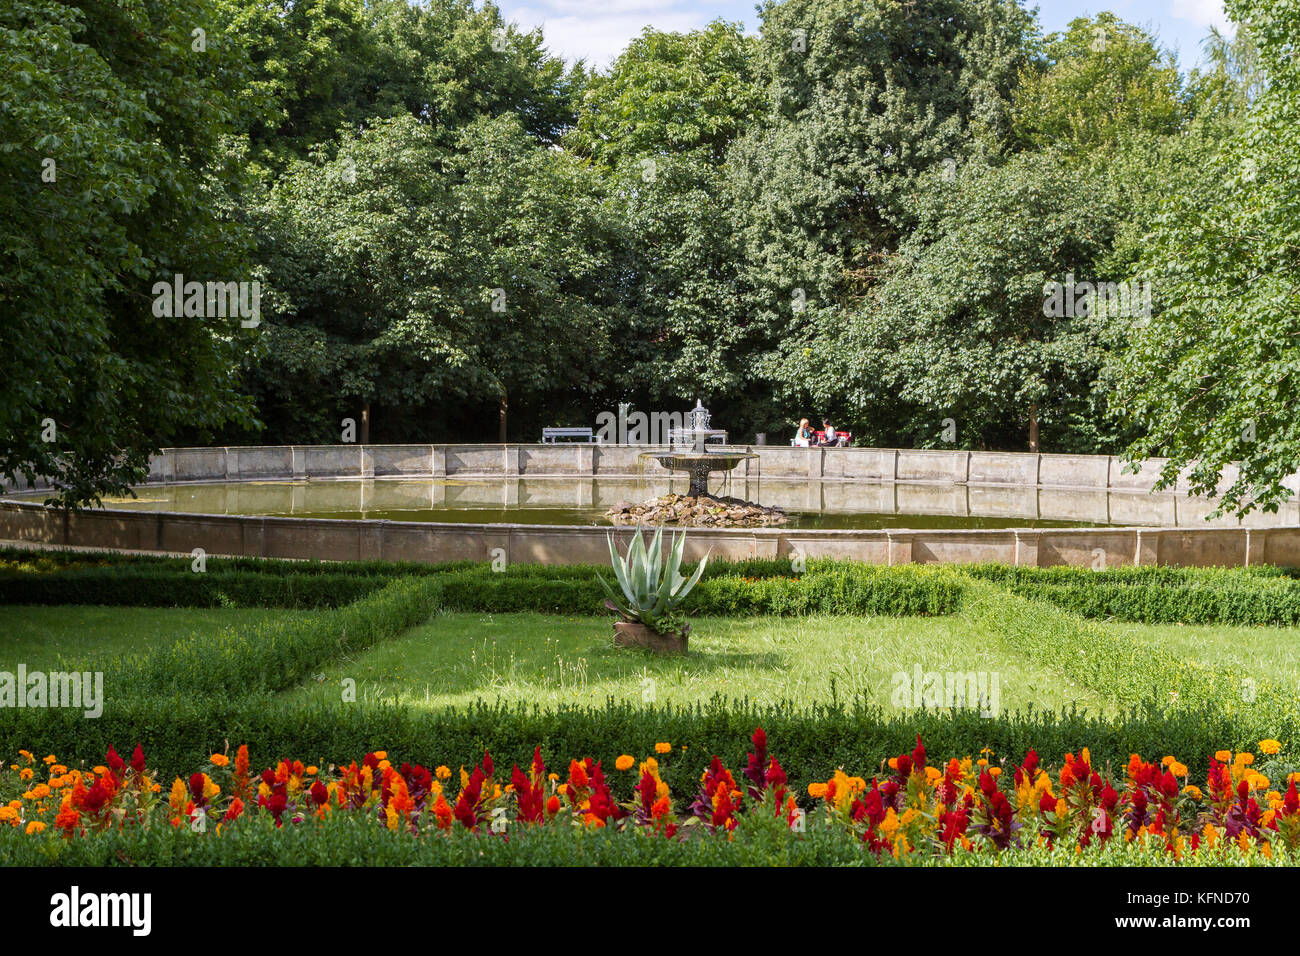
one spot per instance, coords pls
(137, 759)
(235, 809)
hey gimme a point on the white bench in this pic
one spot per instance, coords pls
(550, 435)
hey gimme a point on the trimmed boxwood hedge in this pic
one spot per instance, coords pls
(348, 841)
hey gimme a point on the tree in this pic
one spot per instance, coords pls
(1214, 378)
(121, 172)
(432, 274)
(324, 65)
(1096, 82)
(864, 100)
(670, 93)
(969, 320)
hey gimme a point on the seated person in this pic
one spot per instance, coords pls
(830, 439)
(804, 436)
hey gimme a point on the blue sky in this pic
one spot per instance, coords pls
(599, 29)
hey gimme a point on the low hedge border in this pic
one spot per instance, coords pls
(276, 655)
(1253, 596)
(342, 841)
(1124, 667)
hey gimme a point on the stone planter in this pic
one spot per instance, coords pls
(636, 634)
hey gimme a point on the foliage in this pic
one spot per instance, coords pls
(1097, 81)
(121, 171)
(1210, 381)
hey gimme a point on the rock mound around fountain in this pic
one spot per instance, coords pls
(697, 511)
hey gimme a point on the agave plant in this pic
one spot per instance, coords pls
(652, 588)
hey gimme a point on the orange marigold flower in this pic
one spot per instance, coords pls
(1223, 756)
(817, 790)
(36, 826)
(624, 762)
(1178, 769)
(1269, 747)
(442, 772)
(50, 759)
(1193, 792)
(663, 748)
(381, 754)
(219, 760)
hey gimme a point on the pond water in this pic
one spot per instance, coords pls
(584, 501)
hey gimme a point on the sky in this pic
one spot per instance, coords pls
(598, 30)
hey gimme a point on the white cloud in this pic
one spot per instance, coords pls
(1203, 13)
(599, 30)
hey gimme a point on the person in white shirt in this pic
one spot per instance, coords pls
(831, 438)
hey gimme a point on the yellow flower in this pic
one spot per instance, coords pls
(1177, 769)
(1269, 747)
(624, 762)
(1166, 761)
(1193, 792)
(442, 772)
(219, 760)
(663, 748)
(35, 826)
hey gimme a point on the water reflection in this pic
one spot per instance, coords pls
(583, 501)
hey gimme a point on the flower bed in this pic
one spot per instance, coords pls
(910, 811)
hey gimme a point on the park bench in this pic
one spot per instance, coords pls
(551, 435)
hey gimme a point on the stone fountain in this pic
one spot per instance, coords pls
(688, 454)
(688, 451)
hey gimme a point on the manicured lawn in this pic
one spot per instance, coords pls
(40, 636)
(457, 658)
(1261, 652)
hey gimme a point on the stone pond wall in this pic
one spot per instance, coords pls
(1262, 542)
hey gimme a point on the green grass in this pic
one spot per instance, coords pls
(1259, 652)
(40, 636)
(457, 658)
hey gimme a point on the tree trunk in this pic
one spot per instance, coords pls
(1033, 429)
(365, 424)
(503, 406)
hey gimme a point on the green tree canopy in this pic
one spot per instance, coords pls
(1214, 378)
(120, 172)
